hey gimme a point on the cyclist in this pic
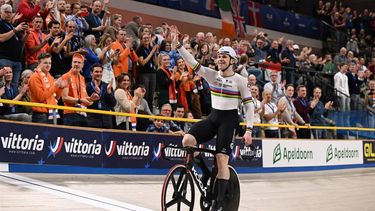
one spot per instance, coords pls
(228, 89)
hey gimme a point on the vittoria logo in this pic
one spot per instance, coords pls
(171, 152)
(75, 147)
(235, 152)
(111, 150)
(55, 148)
(158, 151)
(130, 149)
(17, 142)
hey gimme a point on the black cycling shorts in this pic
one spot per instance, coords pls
(221, 123)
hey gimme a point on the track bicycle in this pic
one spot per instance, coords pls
(178, 191)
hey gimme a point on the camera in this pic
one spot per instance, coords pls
(60, 34)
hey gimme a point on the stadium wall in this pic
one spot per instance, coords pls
(188, 22)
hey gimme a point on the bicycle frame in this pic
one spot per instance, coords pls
(189, 163)
(191, 178)
(198, 182)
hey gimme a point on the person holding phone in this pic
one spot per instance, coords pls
(123, 48)
(11, 42)
(78, 17)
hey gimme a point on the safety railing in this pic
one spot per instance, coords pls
(113, 113)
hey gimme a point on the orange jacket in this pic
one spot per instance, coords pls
(77, 88)
(40, 94)
(35, 39)
(125, 53)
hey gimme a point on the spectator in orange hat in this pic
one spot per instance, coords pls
(75, 95)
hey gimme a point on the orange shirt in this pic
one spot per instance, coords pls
(187, 83)
(50, 17)
(35, 39)
(123, 64)
(77, 88)
(40, 93)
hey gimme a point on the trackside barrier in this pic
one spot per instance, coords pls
(34, 147)
(40, 144)
(291, 153)
(23, 103)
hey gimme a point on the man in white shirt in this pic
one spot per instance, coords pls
(270, 113)
(342, 87)
(277, 89)
(257, 110)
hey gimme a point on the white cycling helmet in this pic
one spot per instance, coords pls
(229, 51)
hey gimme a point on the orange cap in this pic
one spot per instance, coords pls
(79, 56)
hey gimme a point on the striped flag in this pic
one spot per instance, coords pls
(239, 20)
(227, 24)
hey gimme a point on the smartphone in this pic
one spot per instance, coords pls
(83, 14)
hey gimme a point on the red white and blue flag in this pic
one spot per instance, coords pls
(238, 19)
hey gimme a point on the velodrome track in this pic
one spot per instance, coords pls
(349, 189)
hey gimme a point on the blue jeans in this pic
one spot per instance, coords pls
(41, 118)
(74, 119)
(290, 76)
(149, 81)
(257, 132)
(16, 67)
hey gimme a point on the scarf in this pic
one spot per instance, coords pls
(181, 94)
(52, 99)
(133, 119)
(78, 87)
(171, 88)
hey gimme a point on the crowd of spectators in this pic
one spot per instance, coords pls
(83, 56)
(355, 29)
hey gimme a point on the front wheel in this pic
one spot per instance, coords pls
(178, 190)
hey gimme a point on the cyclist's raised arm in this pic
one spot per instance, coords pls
(205, 72)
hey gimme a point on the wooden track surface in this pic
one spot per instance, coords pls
(350, 189)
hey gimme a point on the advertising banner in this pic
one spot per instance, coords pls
(279, 20)
(369, 151)
(35, 144)
(292, 153)
(19, 143)
(72, 147)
